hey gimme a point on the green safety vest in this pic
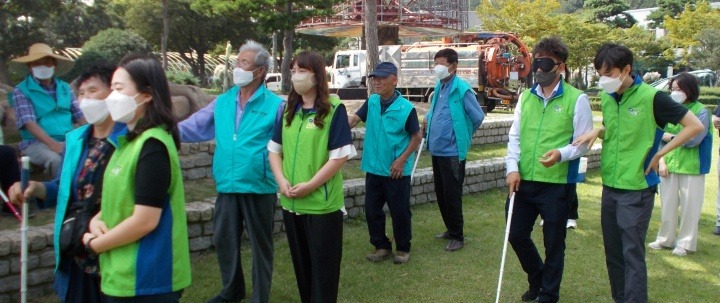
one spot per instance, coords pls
(690, 160)
(631, 139)
(544, 128)
(305, 151)
(385, 136)
(159, 262)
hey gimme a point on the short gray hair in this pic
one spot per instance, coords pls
(262, 56)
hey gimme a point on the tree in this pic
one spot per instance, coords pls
(19, 28)
(635, 4)
(75, 22)
(682, 31)
(582, 38)
(666, 8)
(531, 20)
(113, 44)
(371, 40)
(571, 6)
(706, 54)
(650, 54)
(610, 12)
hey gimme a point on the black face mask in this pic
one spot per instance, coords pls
(545, 78)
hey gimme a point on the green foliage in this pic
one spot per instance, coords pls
(683, 31)
(114, 44)
(182, 78)
(76, 21)
(82, 63)
(571, 6)
(650, 54)
(610, 12)
(635, 4)
(706, 54)
(531, 20)
(667, 9)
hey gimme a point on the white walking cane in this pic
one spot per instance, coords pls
(505, 244)
(417, 159)
(24, 181)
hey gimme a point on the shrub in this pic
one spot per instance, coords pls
(114, 44)
(85, 61)
(182, 78)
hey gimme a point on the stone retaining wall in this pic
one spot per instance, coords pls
(196, 158)
(480, 176)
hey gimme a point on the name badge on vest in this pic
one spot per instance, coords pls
(116, 170)
(558, 108)
(311, 124)
(633, 111)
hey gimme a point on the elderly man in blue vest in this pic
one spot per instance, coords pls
(392, 135)
(241, 121)
(453, 117)
(45, 106)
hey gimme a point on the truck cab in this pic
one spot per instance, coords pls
(348, 69)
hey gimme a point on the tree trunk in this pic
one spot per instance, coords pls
(275, 67)
(371, 38)
(165, 33)
(288, 37)
(4, 73)
(389, 35)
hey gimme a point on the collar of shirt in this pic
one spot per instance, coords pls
(256, 95)
(392, 98)
(537, 90)
(636, 81)
(50, 87)
(447, 81)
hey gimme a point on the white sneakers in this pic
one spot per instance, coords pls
(571, 223)
(678, 251)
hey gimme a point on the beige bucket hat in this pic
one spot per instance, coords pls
(39, 51)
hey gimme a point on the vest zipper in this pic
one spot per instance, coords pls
(617, 146)
(537, 139)
(297, 143)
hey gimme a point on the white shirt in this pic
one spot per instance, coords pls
(582, 123)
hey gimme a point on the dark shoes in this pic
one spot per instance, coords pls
(717, 231)
(530, 295)
(454, 245)
(219, 299)
(401, 257)
(379, 255)
(444, 236)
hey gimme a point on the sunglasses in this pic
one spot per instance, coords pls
(544, 64)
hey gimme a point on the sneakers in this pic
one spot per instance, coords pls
(454, 245)
(656, 245)
(444, 236)
(401, 257)
(571, 223)
(680, 252)
(530, 295)
(379, 255)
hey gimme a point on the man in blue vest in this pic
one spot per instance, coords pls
(242, 121)
(453, 117)
(45, 106)
(392, 135)
(542, 166)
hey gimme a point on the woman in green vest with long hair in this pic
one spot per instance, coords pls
(682, 173)
(309, 147)
(140, 233)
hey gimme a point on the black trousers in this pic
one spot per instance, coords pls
(552, 203)
(396, 192)
(316, 249)
(574, 203)
(449, 175)
(9, 170)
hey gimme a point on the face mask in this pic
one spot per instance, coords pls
(610, 84)
(441, 71)
(242, 77)
(95, 111)
(545, 78)
(43, 72)
(122, 107)
(303, 82)
(678, 96)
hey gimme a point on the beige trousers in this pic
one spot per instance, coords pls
(686, 193)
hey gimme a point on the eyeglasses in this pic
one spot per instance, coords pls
(544, 64)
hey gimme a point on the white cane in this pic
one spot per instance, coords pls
(417, 159)
(505, 244)
(24, 181)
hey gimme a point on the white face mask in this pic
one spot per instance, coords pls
(242, 77)
(303, 82)
(678, 96)
(610, 84)
(43, 72)
(95, 111)
(441, 71)
(122, 107)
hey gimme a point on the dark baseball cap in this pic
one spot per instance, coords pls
(383, 70)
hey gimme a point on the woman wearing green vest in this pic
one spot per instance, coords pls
(140, 233)
(682, 173)
(307, 151)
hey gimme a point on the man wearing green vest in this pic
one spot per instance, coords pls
(392, 135)
(242, 122)
(453, 117)
(45, 106)
(542, 166)
(634, 116)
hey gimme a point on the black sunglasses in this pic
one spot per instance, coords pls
(544, 64)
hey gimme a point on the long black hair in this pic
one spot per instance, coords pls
(149, 78)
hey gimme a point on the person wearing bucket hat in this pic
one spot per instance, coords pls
(392, 135)
(45, 106)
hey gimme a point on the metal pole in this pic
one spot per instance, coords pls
(505, 243)
(24, 181)
(417, 159)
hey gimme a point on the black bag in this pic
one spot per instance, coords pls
(71, 233)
